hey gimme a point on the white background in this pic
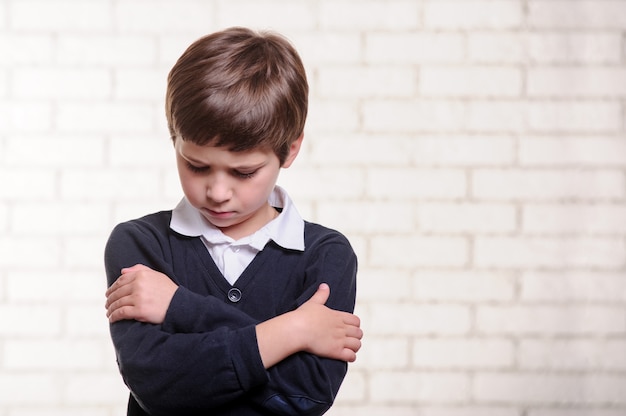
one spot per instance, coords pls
(473, 151)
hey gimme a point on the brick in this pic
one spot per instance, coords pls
(425, 183)
(47, 355)
(136, 209)
(332, 116)
(574, 47)
(65, 411)
(302, 15)
(463, 286)
(418, 387)
(549, 388)
(551, 320)
(462, 151)
(418, 251)
(328, 47)
(27, 184)
(496, 116)
(583, 14)
(101, 184)
(575, 116)
(573, 151)
(25, 117)
(414, 48)
(19, 49)
(87, 320)
(576, 82)
(441, 319)
(35, 252)
(4, 83)
(154, 151)
(466, 217)
(28, 389)
(463, 353)
(334, 183)
(172, 45)
(496, 47)
(54, 150)
(592, 286)
(579, 218)
(56, 285)
(370, 15)
(384, 353)
(340, 409)
(94, 15)
(101, 117)
(86, 251)
(67, 219)
(338, 149)
(57, 83)
(94, 388)
(373, 285)
(525, 252)
(4, 218)
(547, 184)
(140, 84)
(182, 16)
(29, 321)
(354, 388)
(469, 410)
(106, 50)
(365, 217)
(571, 411)
(355, 82)
(473, 14)
(470, 81)
(573, 355)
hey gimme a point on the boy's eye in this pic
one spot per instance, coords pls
(244, 175)
(197, 169)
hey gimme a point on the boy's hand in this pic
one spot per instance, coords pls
(327, 332)
(140, 293)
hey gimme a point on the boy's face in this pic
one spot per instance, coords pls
(230, 189)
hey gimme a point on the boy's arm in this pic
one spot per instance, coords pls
(179, 373)
(208, 353)
(143, 294)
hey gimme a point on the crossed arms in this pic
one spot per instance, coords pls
(182, 351)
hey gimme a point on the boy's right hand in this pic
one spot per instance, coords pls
(140, 293)
(327, 332)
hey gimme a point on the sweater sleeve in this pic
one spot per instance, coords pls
(180, 373)
(305, 384)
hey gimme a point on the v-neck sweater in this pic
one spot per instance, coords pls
(204, 358)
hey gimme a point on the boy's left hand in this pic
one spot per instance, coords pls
(140, 293)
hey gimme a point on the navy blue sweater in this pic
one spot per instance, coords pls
(204, 359)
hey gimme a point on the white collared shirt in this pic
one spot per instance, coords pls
(233, 256)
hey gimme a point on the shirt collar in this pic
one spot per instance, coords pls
(286, 230)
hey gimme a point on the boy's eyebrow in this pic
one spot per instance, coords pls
(189, 158)
(251, 166)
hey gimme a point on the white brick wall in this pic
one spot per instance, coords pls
(474, 151)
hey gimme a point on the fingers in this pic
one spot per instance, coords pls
(321, 296)
(135, 268)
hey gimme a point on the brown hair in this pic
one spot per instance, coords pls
(240, 89)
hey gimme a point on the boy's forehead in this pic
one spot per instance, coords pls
(194, 151)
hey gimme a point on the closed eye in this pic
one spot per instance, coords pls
(197, 169)
(244, 175)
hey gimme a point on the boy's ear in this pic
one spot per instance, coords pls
(293, 151)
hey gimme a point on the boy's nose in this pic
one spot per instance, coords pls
(219, 191)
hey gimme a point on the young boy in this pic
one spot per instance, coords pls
(231, 304)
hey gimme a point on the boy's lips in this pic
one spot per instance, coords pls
(218, 214)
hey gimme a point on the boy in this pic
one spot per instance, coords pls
(222, 306)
